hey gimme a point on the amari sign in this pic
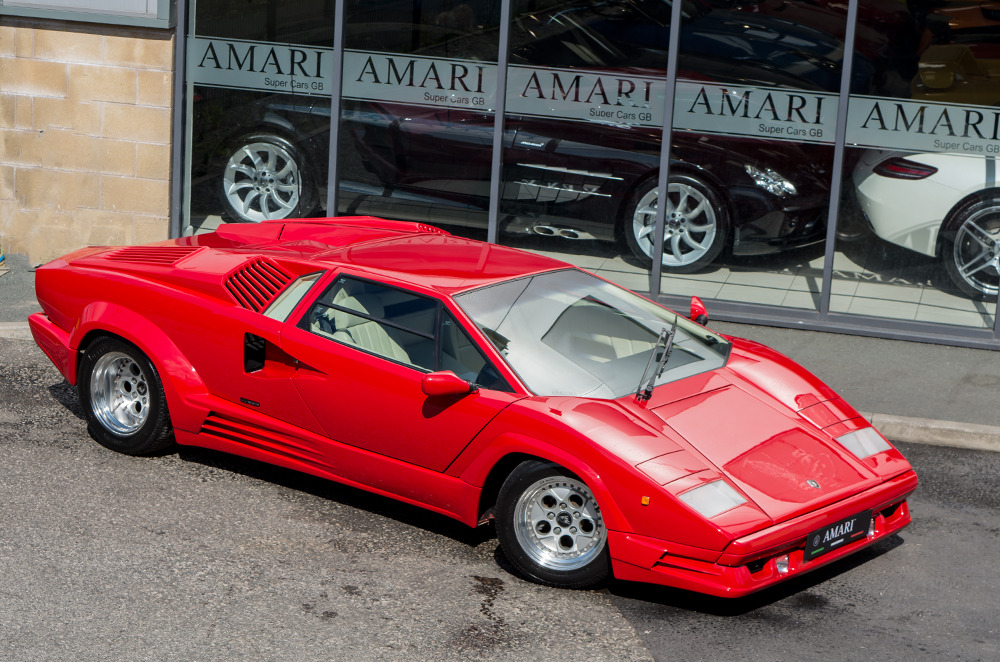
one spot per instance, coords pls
(571, 94)
(923, 126)
(251, 65)
(773, 113)
(596, 96)
(419, 81)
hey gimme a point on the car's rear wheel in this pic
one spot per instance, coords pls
(265, 179)
(970, 247)
(550, 527)
(123, 399)
(696, 224)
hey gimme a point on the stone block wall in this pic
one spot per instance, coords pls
(85, 135)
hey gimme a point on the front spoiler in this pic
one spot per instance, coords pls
(749, 564)
(55, 343)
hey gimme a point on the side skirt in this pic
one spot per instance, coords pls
(236, 430)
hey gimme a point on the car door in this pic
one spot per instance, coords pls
(363, 349)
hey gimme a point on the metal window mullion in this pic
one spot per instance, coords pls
(179, 170)
(665, 142)
(500, 109)
(839, 146)
(336, 85)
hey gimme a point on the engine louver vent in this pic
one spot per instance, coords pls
(162, 255)
(255, 285)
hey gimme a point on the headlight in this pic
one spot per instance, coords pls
(770, 181)
(864, 442)
(713, 498)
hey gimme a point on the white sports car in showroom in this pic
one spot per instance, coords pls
(943, 205)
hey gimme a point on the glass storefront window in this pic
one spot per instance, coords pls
(752, 150)
(417, 117)
(582, 134)
(259, 76)
(756, 102)
(920, 237)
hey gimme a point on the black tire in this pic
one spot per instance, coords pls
(550, 527)
(122, 397)
(696, 224)
(266, 178)
(970, 247)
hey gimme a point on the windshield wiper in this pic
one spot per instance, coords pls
(665, 345)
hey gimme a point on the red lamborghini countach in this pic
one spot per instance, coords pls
(603, 434)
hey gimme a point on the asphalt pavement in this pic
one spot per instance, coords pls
(912, 392)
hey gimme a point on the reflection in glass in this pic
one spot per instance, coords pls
(416, 117)
(754, 124)
(931, 245)
(584, 106)
(918, 235)
(260, 110)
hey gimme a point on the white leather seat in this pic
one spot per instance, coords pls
(364, 333)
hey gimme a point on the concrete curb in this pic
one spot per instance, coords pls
(953, 434)
(15, 330)
(972, 436)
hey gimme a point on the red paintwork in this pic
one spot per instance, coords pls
(762, 422)
(444, 383)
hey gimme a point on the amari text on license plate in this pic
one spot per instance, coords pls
(837, 535)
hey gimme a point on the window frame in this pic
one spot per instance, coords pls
(91, 12)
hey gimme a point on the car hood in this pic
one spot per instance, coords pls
(781, 461)
(761, 421)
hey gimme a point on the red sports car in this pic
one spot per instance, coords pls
(602, 433)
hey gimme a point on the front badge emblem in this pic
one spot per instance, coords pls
(812, 483)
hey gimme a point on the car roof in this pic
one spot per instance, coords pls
(403, 251)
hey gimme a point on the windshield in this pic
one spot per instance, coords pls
(570, 333)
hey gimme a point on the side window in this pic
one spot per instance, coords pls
(406, 328)
(377, 319)
(283, 306)
(460, 355)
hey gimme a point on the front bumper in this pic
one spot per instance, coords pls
(768, 224)
(749, 564)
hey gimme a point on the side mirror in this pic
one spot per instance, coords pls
(445, 383)
(699, 313)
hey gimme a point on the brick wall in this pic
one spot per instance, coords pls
(85, 121)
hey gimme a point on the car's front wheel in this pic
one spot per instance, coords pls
(550, 527)
(696, 224)
(266, 179)
(970, 247)
(123, 399)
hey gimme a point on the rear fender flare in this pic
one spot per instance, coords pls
(514, 444)
(180, 378)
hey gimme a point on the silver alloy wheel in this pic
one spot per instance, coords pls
(262, 182)
(119, 393)
(690, 224)
(976, 250)
(558, 524)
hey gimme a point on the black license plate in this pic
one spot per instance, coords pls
(837, 535)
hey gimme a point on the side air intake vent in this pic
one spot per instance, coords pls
(255, 285)
(162, 255)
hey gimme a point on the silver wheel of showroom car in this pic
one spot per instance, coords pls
(123, 399)
(550, 526)
(265, 179)
(695, 224)
(971, 250)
